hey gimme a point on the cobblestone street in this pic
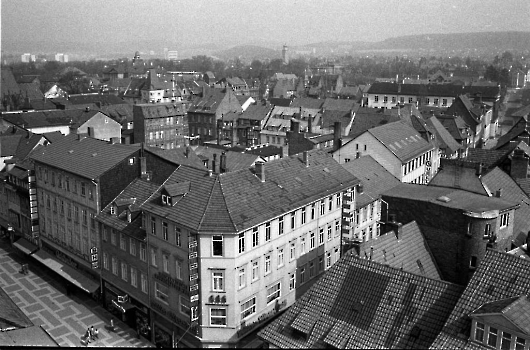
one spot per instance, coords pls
(42, 297)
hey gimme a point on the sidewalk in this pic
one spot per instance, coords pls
(66, 318)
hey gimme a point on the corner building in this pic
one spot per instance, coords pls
(229, 251)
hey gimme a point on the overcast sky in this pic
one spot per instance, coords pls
(292, 22)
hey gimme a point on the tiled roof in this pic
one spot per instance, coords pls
(210, 101)
(53, 136)
(159, 110)
(27, 144)
(265, 151)
(524, 184)
(87, 157)
(498, 180)
(463, 107)
(234, 160)
(368, 118)
(31, 91)
(235, 201)
(329, 117)
(515, 309)
(9, 144)
(409, 251)
(362, 304)
(178, 156)
(104, 99)
(521, 112)
(517, 129)
(138, 189)
(306, 102)
(8, 84)
(499, 276)
(10, 314)
(459, 177)
(453, 124)
(119, 112)
(458, 199)
(487, 156)
(374, 178)
(443, 137)
(334, 104)
(401, 139)
(38, 119)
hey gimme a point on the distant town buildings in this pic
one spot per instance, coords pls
(61, 57)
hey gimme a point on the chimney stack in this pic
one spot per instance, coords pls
(260, 171)
(188, 151)
(394, 225)
(478, 171)
(310, 124)
(498, 193)
(519, 166)
(214, 163)
(305, 157)
(143, 167)
(337, 133)
(295, 126)
(222, 163)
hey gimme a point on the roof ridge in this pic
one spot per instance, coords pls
(226, 205)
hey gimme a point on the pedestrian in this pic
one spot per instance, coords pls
(96, 334)
(112, 324)
(87, 335)
(92, 332)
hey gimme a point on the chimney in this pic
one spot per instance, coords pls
(210, 172)
(188, 151)
(394, 225)
(295, 126)
(528, 242)
(80, 136)
(498, 193)
(305, 158)
(143, 167)
(478, 169)
(310, 124)
(260, 171)
(87, 109)
(519, 166)
(337, 133)
(222, 163)
(214, 162)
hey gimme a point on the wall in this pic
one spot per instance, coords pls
(104, 127)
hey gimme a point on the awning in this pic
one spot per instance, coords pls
(25, 246)
(123, 307)
(68, 272)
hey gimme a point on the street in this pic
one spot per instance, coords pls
(42, 297)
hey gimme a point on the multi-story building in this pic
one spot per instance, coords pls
(228, 251)
(398, 148)
(161, 125)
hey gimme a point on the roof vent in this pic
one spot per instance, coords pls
(94, 154)
(444, 199)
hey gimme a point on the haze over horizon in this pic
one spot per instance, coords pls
(236, 22)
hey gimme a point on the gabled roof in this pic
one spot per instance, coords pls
(463, 107)
(177, 189)
(487, 156)
(521, 112)
(368, 118)
(499, 276)
(460, 177)
(454, 124)
(37, 119)
(177, 156)
(103, 99)
(306, 102)
(9, 144)
(265, 151)
(27, 144)
(339, 104)
(8, 84)
(520, 127)
(525, 185)
(236, 201)
(444, 139)
(407, 251)
(140, 190)
(10, 314)
(374, 178)
(234, 160)
(362, 304)
(401, 139)
(84, 156)
(515, 310)
(31, 91)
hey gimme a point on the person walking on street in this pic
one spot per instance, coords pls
(92, 332)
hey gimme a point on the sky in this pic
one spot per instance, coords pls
(291, 22)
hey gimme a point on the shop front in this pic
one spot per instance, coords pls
(169, 330)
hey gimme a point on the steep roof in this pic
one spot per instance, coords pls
(235, 201)
(368, 118)
(10, 314)
(9, 144)
(521, 126)
(444, 138)
(454, 124)
(362, 304)
(374, 178)
(8, 84)
(499, 276)
(407, 251)
(86, 157)
(177, 156)
(487, 156)
(234, 160)
(334, 104)
(401, 139)
(306, 102)
(458, 176)
(37, 119)
(515, 310)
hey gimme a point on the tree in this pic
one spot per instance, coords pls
(491, 73)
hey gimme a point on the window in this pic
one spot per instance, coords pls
(255, 237)
(178, 269)
(255, 270)
(218, 317)
(280, 257)
(337, 228)
(312, 240)
(248, 308)
(321, 236)
(322, 207)
(273, 292)
(505, 219)
(164, 231)
(105, 261)
(143, 281)
(165, 263)
(143, 252)
(328, 260)
(302, 245)
(473, 262)
(302, 275)
(83, 189)
(444, 102)
(376, 98)
(132, 247)
(519, 343)
(385, 99)
(242, 242)
(267, 264)
(153, 257)
(330, 232)
(311, 269)
(123, 245)
(217, 245)
(161, 292)
(303, 215)
(242, 277)
(320, 263)
(330, 203)
(435, 101)
(153, 225)
(313, 211)
(280, 225)
(506, 341)
(427, 100)
(410, 99)
(114, 266)
(292, 281)
(124, 271)
(267, 231)
(492, 337)
(178, 241)
(134, 281)
(218, 281)
(293, 220)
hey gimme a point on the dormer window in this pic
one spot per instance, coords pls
(129, 216)
(113, 210)
(166, 200)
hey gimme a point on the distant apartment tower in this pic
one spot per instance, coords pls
(61, 57)
(285, 55)
(170, 55)
(27, 57)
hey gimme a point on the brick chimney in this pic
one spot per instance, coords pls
(519, 166)
(188, 151)
(295, 126)
(478, 169)
(337, 133)
(260, 171)
(310, 124)
(222, 163)
(214, 163)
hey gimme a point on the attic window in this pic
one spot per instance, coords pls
(131, 161)
(129, 216)
(166, 200)
(112, 210)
